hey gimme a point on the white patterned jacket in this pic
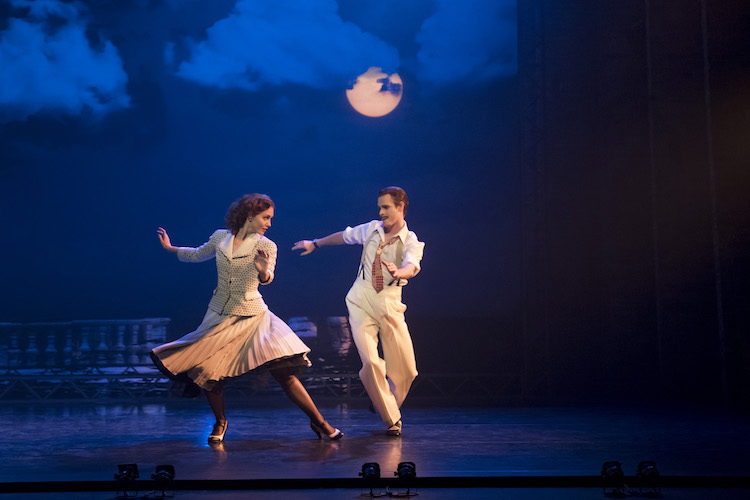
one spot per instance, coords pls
(236, 290)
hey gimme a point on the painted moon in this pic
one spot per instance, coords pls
(375, 93)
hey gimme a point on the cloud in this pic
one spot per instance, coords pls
(49, 65)
(303, 42)
(468, 40)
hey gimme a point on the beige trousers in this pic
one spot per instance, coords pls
(370, 314)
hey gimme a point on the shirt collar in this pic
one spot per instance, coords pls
(403, 232)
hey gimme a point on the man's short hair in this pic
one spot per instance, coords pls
(398, 195)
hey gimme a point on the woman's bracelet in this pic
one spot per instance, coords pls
(315, 243)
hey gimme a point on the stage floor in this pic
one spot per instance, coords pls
(86, 441)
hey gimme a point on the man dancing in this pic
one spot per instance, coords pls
(391, 254)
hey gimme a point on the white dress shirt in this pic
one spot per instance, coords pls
(372, 234)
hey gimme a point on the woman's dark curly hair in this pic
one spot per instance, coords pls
(248, 206)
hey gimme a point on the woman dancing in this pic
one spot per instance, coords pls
(238, 332)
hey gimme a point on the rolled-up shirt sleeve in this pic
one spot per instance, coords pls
(357, 235)
(413, 251)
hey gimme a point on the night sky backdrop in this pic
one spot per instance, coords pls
(578, 172)
(120, 116)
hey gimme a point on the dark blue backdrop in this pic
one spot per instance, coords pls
(118, 117)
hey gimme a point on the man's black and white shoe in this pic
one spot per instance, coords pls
(395, 429)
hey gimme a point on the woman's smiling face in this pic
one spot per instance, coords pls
(261, 222)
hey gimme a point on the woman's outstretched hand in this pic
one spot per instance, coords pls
(164, 240)
(306, 245)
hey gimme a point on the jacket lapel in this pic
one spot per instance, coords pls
(246, 247)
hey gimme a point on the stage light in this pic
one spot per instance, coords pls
(613, 477)
(370, 471)
(128, 472)
(406, 470)
(371, 477)
(612, 474)
(647, 471)
(125, 477)
(406, 473)
(163, 478)
(648, 479)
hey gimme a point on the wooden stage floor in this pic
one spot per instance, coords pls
(84, 442)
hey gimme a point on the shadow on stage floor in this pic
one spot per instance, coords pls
(523, 453)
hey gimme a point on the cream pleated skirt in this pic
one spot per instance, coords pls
(229, 346)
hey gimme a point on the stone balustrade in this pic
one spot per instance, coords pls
(78, 345)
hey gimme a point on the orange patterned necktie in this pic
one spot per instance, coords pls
(377, 267)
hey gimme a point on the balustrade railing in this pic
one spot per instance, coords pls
(80, 345)
(98, 359)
